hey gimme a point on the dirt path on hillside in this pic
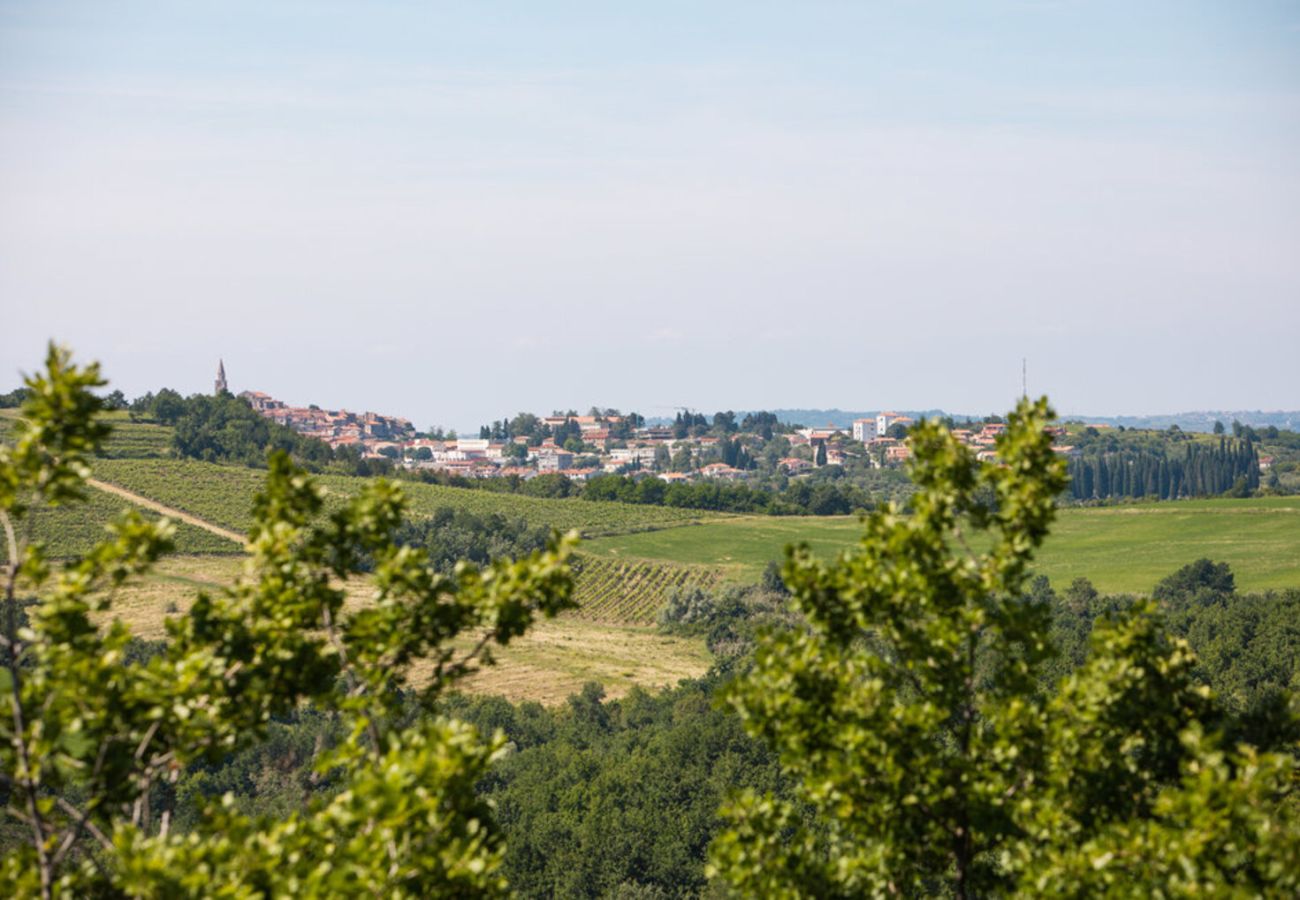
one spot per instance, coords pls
(168, 511)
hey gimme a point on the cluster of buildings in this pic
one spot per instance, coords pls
(368, 432)
(608, 444)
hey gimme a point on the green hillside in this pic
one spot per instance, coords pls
(72, 530)
(1121, 549)
(224, 495)
(127, 440)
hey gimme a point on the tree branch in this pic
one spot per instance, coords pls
(372, 730)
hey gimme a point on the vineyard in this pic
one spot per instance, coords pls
(136, 440)
(223, 495)
(72, 530)
(631, 591)
(128, 440)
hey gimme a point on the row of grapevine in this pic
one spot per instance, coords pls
(127, 440)
(222, 495)
(631, 591)
(138, 440)
(68, 531)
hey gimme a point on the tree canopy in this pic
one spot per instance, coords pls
(910, 715)
(97, 735)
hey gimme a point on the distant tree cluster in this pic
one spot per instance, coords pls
(14, 398)
(225, 428)
(1198, 471)
(453, 534)
(1247, 645)
(531, 430)
(819, 498)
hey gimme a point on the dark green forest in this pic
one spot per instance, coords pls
(608, 797)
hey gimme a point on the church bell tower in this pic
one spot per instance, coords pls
(220, 387)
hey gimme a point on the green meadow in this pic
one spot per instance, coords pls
(1121, 549)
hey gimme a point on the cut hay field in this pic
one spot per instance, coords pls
(1121, 549)
(548, 664)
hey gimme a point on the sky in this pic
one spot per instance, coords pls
(457, 211)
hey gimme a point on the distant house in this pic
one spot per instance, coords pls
(864, 430)
(793, 465)
(260, 401)
(624, 456)
(721, 471)
(554, 461)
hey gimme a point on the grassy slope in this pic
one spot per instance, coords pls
(224, 495)
(740, 547)
(1119, 548)
(137, 440)
(72, 530)
(553, 661)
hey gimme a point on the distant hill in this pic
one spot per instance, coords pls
(838, 418)
(843, 418)
(1201, 420)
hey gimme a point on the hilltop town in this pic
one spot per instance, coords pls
(758, 452)
(692, 447)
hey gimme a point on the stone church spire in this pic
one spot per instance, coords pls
(220, 387)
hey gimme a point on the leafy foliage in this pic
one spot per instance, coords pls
(68, 531)
(91, 774)
(909, 714)
(451, 536)
(616, 798)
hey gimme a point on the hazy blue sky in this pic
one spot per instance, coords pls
(457, 211)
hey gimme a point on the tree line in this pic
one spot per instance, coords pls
(1198, 471)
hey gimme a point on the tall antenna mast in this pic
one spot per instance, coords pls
(1024, 377)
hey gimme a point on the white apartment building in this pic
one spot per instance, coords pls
(864, 430)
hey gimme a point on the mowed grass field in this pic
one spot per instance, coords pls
(548, 664)
(1120, 549)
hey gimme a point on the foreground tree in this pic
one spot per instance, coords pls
(926, 759)
(95, 735)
